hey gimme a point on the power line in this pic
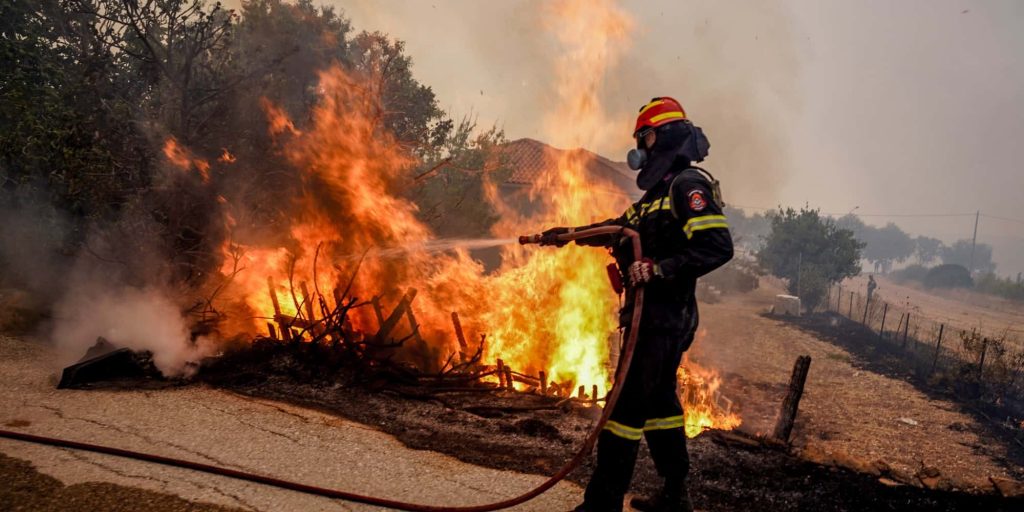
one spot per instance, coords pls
(1008, 219)
(834, 214)
(839, 214)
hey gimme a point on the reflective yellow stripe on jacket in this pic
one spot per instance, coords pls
(644, 209)
(704, 222)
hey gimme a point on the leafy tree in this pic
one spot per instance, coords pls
(883, 246)
(451, 194)
(810, 250)
(927, 249)
(960, 254)
(748, 231)
(90, 89)
(886, 245)
(852, 223)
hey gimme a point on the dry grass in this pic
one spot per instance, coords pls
(963, 310)
(845, 409)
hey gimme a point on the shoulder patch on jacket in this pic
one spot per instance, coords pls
(695, 200)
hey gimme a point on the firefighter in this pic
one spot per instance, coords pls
(684, 235)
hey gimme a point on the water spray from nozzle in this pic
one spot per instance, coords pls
(431, 246)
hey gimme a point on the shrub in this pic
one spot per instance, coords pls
(735, 276)
(993, 284)
(914, 272)
(948, 276)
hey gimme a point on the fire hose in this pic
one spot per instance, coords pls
(626, 356)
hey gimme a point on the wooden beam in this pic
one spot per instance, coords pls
(308, 299)
(391, 322)
(463, 350)
(415, 326)
(273, 295)
(378, 311)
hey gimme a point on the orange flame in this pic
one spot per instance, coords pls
(546, 309)
(181, 157)
(703, 405)
(226, 157)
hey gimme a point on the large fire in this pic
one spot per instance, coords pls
(545, 310)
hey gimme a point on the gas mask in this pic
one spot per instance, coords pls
(677, 144)
(636, 158)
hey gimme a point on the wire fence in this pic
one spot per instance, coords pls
(978, 364)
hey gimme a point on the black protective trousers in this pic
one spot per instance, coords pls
(647, 408)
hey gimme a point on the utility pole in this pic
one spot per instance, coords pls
(974, 242)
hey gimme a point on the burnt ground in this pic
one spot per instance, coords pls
(534, 435)
(884, 357)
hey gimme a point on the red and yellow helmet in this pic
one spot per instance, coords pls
(659, 111)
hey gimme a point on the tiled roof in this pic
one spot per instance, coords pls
(529, 159)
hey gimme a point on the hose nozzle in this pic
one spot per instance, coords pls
(529, 239)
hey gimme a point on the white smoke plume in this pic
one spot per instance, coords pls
(135, 318)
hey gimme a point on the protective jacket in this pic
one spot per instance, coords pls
(682, 228)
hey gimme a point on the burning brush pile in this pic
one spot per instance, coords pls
(351, 270)
(363, 280)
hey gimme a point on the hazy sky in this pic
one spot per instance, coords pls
(909, 107)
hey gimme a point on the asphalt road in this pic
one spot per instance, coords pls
(217, 427)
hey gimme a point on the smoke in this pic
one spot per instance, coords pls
(735, 69)
(32, 235)
(91, 294)
(136, 318)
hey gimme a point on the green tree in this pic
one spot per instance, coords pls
(886, 245)
(451, 193)
(882, 246)
(811, 251)
(927, 249)
(90, 89)
(960, 254)
(748, 231)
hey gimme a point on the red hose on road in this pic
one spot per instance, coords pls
(613, 396)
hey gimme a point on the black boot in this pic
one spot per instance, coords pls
(674, 499)
(668, 449)
(616, 457)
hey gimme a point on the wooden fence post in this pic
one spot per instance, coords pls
(850, 314)
(906, 330)
(899, 326)
(885, 311)
(981, 362)
(509, 381)
(938, 346)
(787, 414)
(864, 321)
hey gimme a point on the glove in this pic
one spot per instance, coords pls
(550, 237)
(643, 271)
